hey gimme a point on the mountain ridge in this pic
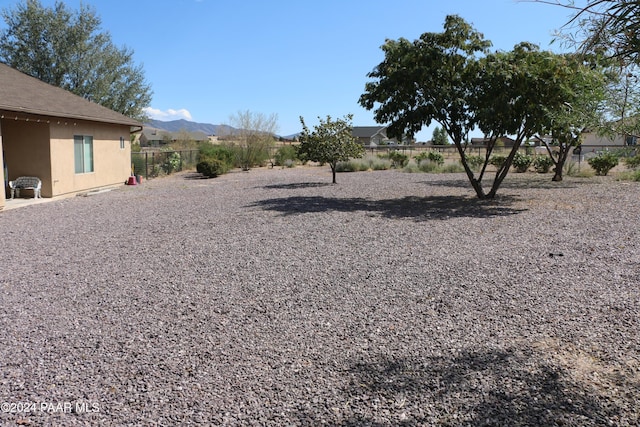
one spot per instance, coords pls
(182, 124)
(207, 128)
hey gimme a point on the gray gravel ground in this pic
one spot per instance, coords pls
(274, 298)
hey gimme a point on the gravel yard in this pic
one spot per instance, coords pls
(274, 298)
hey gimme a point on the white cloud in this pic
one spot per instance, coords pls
(169, 114)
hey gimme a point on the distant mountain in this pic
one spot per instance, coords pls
(178, 125)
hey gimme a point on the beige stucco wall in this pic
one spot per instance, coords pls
(43, 147)
(111, 164)
(26, 149)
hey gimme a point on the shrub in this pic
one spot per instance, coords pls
(380, 164)
(398, 159)
(497, 161)
(284, 153)
(521, 162)
(633, 175)
(347, 166)
(411, 168)
(542, 164)
(428, 166)
(172, 163)
(218, 152)
(420, 157)
(452, 168)
(632, 162)
(474, 162)
(603, 163)
(436, 157)
(211, 167)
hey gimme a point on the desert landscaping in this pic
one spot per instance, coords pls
(273, 297)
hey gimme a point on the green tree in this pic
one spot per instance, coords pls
(253, 135)
(67, 49)
(439, 77)
(584, 95)
(331, 141)
(429, 79)
(440, 136)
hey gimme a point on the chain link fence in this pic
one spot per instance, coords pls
(151, 164)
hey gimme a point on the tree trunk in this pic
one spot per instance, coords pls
(504, 170)
(333, 172)
(562, 159)
(477, 186)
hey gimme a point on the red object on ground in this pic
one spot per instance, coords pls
(132, 180)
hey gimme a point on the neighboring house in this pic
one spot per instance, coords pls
(592, 142)
(152, 137)
(374, 136)
(71, 144)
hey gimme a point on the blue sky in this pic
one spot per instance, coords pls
(209, 59)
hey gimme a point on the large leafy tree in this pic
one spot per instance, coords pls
(441, 77)
(67, 48)
(429, 79)
(331, 141)
(582, 108)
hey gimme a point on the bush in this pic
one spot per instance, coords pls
(542, 164)
(420, 157)
(475, 162)
(497, 161)
(218, 152)
(436, 157)
(521, 162)
(398, 159)
(428, 166)
(211, 167)
(452, 168)
(284, 153)
(632, 162)
(603, 163)
(633, 175)
(172, 163)
(347, 166)
(432, 156)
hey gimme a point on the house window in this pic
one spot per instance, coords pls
(83, 153)
(122, 143)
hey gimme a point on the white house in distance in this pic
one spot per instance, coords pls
(372, 136)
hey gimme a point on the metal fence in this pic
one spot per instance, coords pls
(151, 164)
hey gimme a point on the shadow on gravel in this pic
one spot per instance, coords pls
(418, 208)
(514, 183)
(296, 185)
(492, 388)
(195, 175)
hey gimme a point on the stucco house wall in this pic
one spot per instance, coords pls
(111, 164)
(38, 124)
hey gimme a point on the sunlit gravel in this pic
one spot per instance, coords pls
(273, 297)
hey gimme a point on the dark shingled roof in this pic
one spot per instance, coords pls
(21, 93)
(366, 131)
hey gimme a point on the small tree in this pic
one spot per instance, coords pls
(440, 136)
(331, 142)
(253, 137)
